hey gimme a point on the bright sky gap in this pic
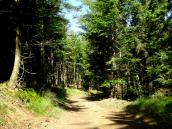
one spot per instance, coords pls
(74, 16)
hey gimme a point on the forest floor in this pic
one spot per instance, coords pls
(81, 112)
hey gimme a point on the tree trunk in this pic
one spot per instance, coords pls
(64, 74)
(74, 72)
(17, 60)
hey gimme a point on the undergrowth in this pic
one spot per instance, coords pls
(47, 103)
(156, 106)
(40, 104)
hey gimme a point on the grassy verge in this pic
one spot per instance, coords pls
(40, 104)
(47, 103)
(159, 109)
(3, 112)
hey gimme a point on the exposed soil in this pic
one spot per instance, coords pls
(84, 114)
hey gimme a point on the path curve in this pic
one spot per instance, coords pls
(83, 114)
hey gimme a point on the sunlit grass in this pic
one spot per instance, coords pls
(157, 108)
(154, 105)
(2, 122)
(94, 91)
(73, 91)
(39, 104)
(3, 108)
(4, 84)
(3, 112)
(47, 103)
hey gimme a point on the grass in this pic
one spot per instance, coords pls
(2, 122)
(157, 108)
(3, 112)
(3, 108)
(39, 104)
(47, 103)
(4, 84)
(72, 91)
(159, 104)
(94, 91)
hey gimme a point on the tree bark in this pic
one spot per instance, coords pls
(74, 76)
(17, 60)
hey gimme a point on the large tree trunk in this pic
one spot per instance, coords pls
(17, 60)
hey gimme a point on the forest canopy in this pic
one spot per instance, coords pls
(125, 50)
(130, 44)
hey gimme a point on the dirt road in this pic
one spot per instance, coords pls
(83, 114)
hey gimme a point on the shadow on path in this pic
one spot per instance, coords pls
(134, 119)
(71, 105)
(96, 97)
(130, 121)
(62, 99)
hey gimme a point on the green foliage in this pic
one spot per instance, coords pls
(130, 40)
(74, 59)
(2, 122)
(3, 108)
(73, 91)
(135, 92)
(40, 104)
(48, 103)
(161, 107)
(118, 81)
(60, 97)
(4, 84)
(106, 83)
(94, 91)
(161, 93)
(75, 50)
(100, 23)
(158, 110)
(42, 27)
(158, 107)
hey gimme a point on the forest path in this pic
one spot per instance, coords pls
(83, 113)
